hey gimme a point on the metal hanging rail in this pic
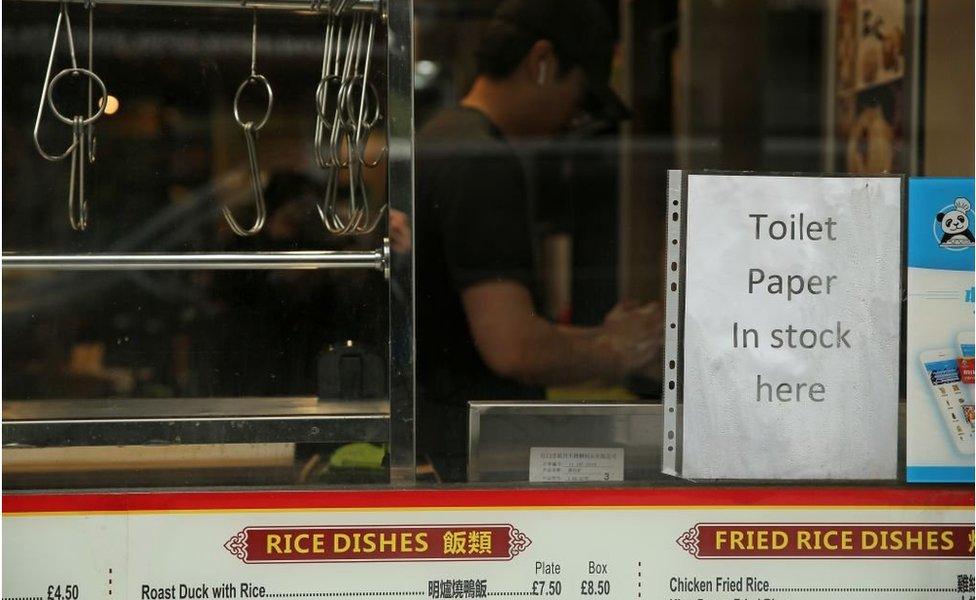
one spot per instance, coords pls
(375, 259)
(286, 5)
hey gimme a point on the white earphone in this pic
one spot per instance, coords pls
(542, 73)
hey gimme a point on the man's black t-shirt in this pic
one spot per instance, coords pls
(472, 226)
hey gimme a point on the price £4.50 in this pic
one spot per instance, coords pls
(62, 592)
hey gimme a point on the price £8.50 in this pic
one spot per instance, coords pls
(588, 587)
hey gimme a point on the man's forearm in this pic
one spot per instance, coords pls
(564, 355)
(515, 342)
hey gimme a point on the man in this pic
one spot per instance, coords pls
(479, 334)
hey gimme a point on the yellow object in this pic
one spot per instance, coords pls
(358, 455)
(577, 393)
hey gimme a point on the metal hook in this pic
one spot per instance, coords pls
(62, 16)
(364, 224)
(251, 129)
(362, 115)
(360, 126)
(77, 204)
(358, 219)
(329, 75)
(355, 112)
(351, 72)
(80, 150)
(336, 125)
(322, 123)
(328, 208)
(257, 190)
(366, 127)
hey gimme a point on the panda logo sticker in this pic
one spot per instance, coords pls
(953, 225)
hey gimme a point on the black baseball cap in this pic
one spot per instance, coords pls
(581, 33)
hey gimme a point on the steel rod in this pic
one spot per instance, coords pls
(376, 259)
(287, 5)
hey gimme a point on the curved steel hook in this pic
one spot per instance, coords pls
(327, 208)
(62, 17)
(257, 189)
(346, 64)
(251, 129)
(81, 150)
(362, 128)
(366, 125)
(364, 222)
(358, 220)
(77, 203)
(320, 124)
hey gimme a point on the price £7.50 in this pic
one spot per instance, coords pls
(552, 587)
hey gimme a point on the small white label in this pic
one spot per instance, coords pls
(576, 464)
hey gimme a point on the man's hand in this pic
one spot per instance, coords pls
(518, 344)
(635, 334)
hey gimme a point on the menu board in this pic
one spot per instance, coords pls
(680, 544)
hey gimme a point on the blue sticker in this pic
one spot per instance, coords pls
(941, 223)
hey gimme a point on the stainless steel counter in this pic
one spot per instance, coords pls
(502, 434)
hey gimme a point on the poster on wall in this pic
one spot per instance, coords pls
(677, 544)
(871, 111)
(788, 327)
(940, 344)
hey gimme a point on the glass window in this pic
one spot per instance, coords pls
(515, 164)
(542, 196)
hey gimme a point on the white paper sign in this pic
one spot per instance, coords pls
(576, 464)
(791, 324)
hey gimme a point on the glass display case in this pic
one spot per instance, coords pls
(200, 289)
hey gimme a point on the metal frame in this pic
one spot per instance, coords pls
(377, 260)
(400, 172)
(60, 423)
(163, 431)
